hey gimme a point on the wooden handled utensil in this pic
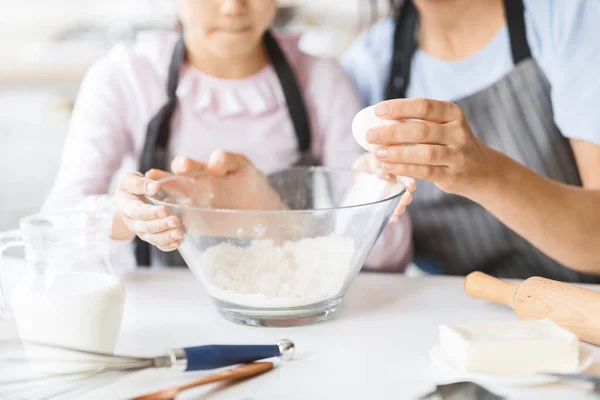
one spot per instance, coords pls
(572, 307)
(243, 371)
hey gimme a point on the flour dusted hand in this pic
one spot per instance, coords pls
(231, 182)
(228, 181)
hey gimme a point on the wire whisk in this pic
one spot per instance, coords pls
(32, 370)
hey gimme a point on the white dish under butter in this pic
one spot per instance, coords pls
(512, 352)
(585, 361)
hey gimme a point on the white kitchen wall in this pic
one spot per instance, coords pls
(35, 16)
(48, 12)
(344, 10)
(35, 77)
(32, 132)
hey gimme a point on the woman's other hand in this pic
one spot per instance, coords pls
(370, 164)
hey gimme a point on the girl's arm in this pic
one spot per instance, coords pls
(96, 143)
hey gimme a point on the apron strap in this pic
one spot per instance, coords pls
(291, 90)
(515, 19)
(406, 43)
(155, 150)
(159, 127)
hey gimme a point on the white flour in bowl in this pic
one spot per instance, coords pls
(264, 274)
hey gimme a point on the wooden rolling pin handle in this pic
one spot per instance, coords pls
(483, 286)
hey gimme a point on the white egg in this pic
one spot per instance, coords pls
(365, 120)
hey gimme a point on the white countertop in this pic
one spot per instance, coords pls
(377, 346)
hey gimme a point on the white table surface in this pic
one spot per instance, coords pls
(377, 345)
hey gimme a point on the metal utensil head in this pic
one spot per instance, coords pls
(287, 348)
(461, 391)
(581, 377)
(576, 377)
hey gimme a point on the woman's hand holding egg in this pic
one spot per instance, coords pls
(431, 140)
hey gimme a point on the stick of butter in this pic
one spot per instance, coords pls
(510, 348)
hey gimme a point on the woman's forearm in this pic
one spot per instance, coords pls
(562, 221)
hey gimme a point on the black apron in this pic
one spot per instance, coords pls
(155, 150)
(454, 235)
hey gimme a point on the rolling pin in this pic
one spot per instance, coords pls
(574, 308)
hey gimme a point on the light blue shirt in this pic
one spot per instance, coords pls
(564, 37)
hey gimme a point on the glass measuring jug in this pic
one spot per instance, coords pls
(67, 293)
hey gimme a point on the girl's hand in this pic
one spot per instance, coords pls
(151, 223)
(432, 141)
(370, 164)
(227, 181)
(230, 182)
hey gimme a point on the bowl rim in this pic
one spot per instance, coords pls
(307, 211)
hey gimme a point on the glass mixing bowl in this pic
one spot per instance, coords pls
(287, 263)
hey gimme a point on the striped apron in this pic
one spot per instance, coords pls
(454, 235)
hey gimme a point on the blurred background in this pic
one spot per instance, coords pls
(47, 45)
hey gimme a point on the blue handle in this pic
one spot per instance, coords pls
(217, 356)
